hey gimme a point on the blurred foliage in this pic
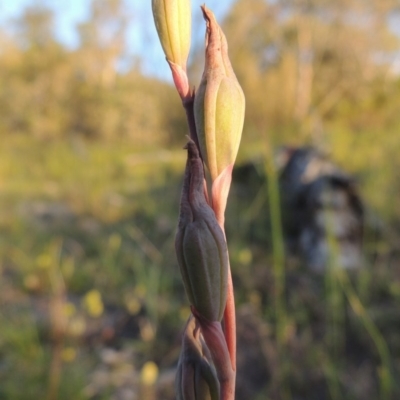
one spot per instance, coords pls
(91, 303)
(50, 92)
(315, 61)
(78, 266)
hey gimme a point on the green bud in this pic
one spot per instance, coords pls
(200, 244)
(196, 378)
(219, 104)
(173, 23)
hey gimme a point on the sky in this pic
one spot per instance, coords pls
(67, 14)
(142, 37)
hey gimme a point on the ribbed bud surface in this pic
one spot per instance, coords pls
(219, 103)
(200, 244)
(173, 23)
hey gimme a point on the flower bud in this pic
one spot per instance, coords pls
(219, 103)
(196, 378)
(173, 23)
(200, 244)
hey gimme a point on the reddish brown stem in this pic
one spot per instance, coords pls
(230, 322)
(229, 319)
(230, 312)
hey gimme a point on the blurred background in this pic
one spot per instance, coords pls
(91, 163)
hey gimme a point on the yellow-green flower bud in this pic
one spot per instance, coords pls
(219, 103)
(196, 377)
(173, 23)
(200, 244)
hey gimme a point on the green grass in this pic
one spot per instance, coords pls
(89, 213)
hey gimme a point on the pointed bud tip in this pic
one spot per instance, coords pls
(193, 151)
(209, 17)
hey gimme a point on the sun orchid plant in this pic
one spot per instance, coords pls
(215, 115)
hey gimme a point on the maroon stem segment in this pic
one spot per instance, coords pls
(230, 322)
(188, 103)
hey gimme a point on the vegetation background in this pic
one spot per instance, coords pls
(91, 161)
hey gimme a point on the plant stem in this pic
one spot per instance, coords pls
(278, 254)
(230, 322)
(188, 103)
(230, 335)
(379, 341)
